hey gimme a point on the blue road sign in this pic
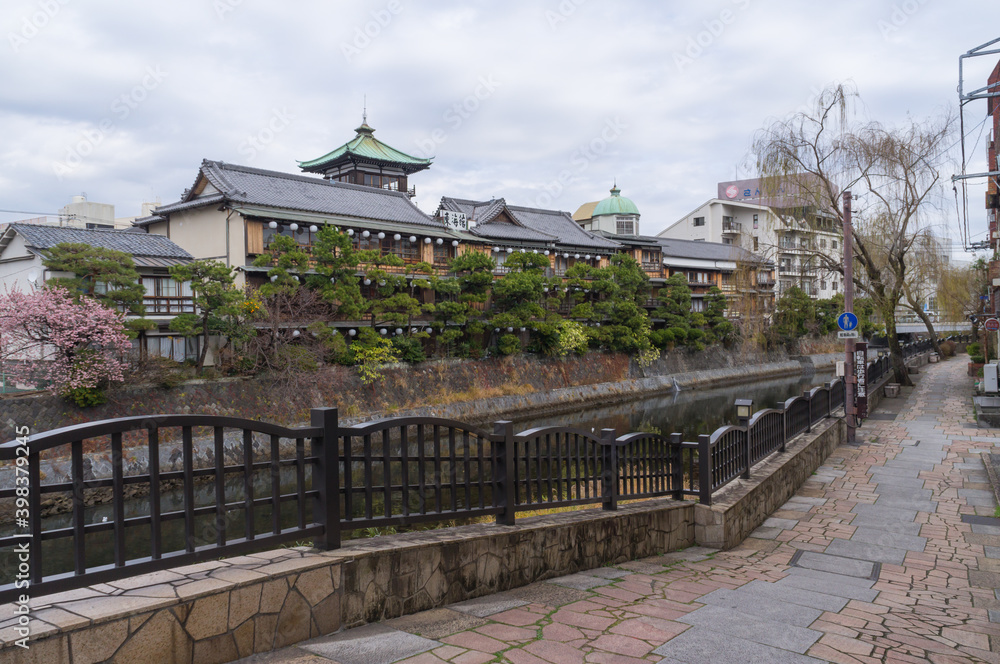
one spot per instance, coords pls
(847, 321)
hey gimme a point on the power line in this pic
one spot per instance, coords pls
(42, 214)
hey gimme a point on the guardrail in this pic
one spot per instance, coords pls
(261, 485)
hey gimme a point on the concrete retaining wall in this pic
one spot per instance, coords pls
(742, 506)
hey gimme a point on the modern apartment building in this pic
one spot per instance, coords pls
(804, 245)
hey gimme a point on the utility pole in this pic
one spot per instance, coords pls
(849, 408)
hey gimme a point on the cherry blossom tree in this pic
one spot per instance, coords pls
(47, 337)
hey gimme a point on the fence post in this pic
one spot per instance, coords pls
(809, 410)
(326, 476)
(504, 432)
(784, 425)
(746, 454)
(705, 469)
(609, 483)
(829, 399)
(677, 469)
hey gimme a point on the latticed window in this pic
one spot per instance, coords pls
(408, 251)
(625, 225)
(443, 253)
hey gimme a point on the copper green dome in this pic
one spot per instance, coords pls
(615, 204)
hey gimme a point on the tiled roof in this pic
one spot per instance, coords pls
(366, 147)
(136, 244)
(560, 224)
(501, 231)
(273, 189)
(715, 251)
(548, 223)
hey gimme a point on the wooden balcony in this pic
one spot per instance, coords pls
(168, 306)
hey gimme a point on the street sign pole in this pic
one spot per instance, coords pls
(849, 409)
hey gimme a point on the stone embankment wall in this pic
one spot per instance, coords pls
(449, 388)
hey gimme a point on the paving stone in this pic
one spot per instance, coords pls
(370, 644)
(897, 501)
(891, 526)
(766, 533)
(977, 465)
(885, 481)
(994, 615)
(883, 537)
(762, 607)
(690, 554)
(824, 562)
(835, 587)
(898, 472)
(865, 551)
(488, 605)
(607, 573)
(775, 522)
(699, 645)
(805, 500)
(903, 493)
(580, 581)
(813, 600)
(436, 623)
(992, 551)
(885, 513)
(745, 626)
(548, 594)
(853, 581)
(979, 529)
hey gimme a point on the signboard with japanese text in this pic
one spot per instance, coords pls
(861, 373)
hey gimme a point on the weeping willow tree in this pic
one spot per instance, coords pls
(814, 155)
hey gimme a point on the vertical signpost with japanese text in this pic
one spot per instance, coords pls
(861, 373)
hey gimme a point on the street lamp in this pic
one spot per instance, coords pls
(744, 409)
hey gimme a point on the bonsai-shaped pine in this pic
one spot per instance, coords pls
(215, 297)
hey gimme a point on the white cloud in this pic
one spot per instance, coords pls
(559, 82)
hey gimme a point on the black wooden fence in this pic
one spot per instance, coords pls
(393, 472)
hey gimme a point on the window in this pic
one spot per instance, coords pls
(822, 285)
(822, 244)
(755, 222)
(443, 253)
(625, 225)
(562, 264)
(650, 258)
(408, 251)
(833, 286)
(699, 221)
(727, 240)
(165, 295)
(833, 244)
(697, 305)
(755, 241)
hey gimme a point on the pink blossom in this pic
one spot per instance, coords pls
(46, 336)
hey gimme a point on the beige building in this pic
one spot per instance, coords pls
(802, 246)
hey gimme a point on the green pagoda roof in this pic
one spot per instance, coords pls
(615, 204)
(366, 148)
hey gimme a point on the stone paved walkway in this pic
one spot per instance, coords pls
(888, 554)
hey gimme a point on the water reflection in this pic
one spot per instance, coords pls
(689, 412)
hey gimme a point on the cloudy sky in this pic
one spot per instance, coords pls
(544, 102)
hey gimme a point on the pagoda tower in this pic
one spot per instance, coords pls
(369, 162)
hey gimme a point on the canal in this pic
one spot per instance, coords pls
(688, 412)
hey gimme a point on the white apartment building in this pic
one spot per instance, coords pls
(796, 245)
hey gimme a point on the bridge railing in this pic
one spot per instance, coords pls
(243, 485)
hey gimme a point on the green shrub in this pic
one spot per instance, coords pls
(977, 359)
(974, 349)
(409, 349)
(509, 345)
(87, 397)
(947, 348)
